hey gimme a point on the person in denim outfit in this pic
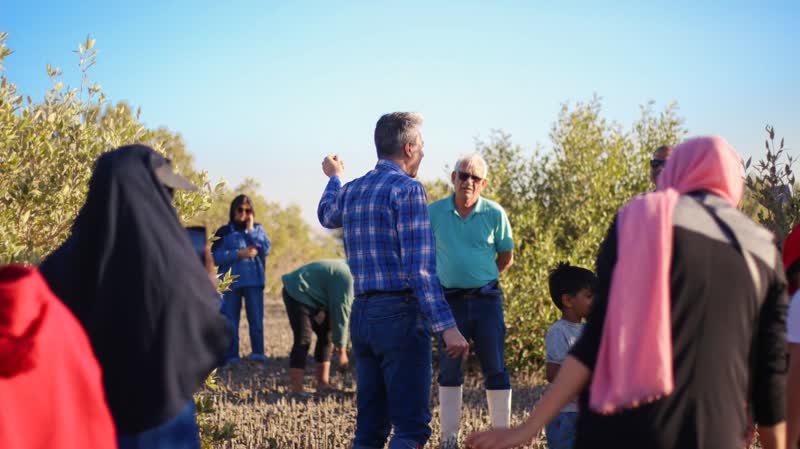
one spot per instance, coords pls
(473, 247)
(242, 246)
(399, 301)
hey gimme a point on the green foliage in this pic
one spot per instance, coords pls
(49, 149)
(293, 242)
(437, 189)
(770, 184)
(561, 203)
(225, 281)
(211, 432)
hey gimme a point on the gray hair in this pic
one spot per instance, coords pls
(472, 159)
(394, 130)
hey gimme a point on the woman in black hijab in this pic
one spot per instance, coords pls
(130, 275)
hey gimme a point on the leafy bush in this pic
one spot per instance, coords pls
(49, 152)
(561, 203)
(49, 149)
(770, 191)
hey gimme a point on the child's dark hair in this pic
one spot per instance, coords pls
(569, 279)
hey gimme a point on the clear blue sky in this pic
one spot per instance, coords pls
(265, 89)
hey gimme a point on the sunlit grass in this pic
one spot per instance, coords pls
(252, 409)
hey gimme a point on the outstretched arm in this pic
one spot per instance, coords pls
(571, 379)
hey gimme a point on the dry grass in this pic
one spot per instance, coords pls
(252, 408)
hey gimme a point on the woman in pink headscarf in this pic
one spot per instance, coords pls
(687, 325)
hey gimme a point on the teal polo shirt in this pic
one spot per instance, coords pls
(466, 248)
(325, 284)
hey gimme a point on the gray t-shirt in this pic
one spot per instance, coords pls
(558, 341)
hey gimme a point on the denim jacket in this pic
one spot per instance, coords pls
(226, 248)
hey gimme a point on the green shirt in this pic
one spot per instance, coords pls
(325, 284)
(466, 249)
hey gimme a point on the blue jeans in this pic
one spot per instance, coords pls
(254, 306)
(560, 432)
(480, 319)
(392, 348)
(178, 433)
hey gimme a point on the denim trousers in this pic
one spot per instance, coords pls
(254, 306)
(560, 432)
(178, 433)
(480, 319)
(392, 347)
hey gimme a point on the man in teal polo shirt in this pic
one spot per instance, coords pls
(473, 247)
(318, 299)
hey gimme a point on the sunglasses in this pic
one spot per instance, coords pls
(463, 176)
(244, 210)
(656, 163)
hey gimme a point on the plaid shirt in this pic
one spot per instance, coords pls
(387, 236)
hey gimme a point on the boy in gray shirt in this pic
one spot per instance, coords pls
(571, 290)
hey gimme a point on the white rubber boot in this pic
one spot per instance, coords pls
(450, 415)
(499, 408)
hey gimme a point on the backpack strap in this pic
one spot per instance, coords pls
(752, 267)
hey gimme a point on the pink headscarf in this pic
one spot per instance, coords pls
(634, 363)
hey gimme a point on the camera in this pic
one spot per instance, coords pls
(197, 235)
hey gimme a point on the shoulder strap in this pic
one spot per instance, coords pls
(749, 260)
(754, 275)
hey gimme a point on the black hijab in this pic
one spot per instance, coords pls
(130, 275)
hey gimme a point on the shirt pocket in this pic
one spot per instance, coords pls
(234, 240)
(483, 235)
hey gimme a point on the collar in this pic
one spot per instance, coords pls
(480, 205)
(387, 165)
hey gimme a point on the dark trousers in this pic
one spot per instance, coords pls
(392, 347)
(304, 320)
(178, 433)
(254, 307)
(479, 317)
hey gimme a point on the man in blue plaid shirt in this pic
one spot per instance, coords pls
(399, 301)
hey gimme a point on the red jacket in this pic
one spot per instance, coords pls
(51, 389)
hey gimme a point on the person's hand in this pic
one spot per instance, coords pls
(332, 165)
(250, 221)
(250, 251)
(456, 345)
(497, 439)
(342, 359)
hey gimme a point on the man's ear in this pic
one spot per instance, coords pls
(566, 300)
(408, 150)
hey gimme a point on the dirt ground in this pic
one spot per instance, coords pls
(252, 408)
